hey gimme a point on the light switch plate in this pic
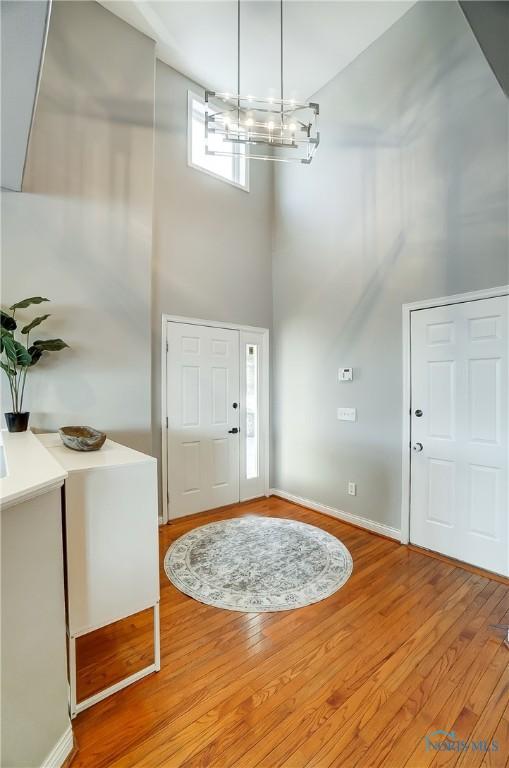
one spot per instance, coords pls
(347, 414)
(352, 488)
(345, 374)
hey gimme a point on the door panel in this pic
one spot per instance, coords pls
(440, 333)
(190, 462)
(441, 489)
(190, 345)
(220, 462)
(202, 385)
(190, 396)
(484, 400)
(483, 500)
(459, 479)
(219, 396)
(441, 397)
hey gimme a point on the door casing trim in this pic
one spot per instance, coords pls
(265, 398)
(407, 309)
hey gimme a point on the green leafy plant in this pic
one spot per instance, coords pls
(18, 356)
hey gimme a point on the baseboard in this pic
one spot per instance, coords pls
(60, 751)
(347, 517)
(256, 497)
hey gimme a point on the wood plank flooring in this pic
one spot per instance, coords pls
(357, 680)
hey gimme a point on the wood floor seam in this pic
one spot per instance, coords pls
(356, 680)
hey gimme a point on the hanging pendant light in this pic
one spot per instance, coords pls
(281, 130)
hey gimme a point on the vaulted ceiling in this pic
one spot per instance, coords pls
(321, 37)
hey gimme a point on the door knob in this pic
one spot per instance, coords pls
(418, 413)
(417, 447)
(233, 431)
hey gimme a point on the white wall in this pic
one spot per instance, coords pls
(81, 232)
(406, 199)
(212, 241)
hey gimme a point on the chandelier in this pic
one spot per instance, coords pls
(256, 128)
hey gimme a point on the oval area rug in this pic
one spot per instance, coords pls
(255, 564)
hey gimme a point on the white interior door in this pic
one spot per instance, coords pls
(203, 417)
(459, 431)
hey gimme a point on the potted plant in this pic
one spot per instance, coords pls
(17, 357)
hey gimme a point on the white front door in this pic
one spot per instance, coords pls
(459, 431)
(203, 417)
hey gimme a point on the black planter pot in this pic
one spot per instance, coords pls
(17, 422)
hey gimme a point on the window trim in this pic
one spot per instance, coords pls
(244, 357)
(192, 96)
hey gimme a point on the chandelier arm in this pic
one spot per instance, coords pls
(294, 131)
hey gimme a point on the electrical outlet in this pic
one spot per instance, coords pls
(345, 374)
(352, 489)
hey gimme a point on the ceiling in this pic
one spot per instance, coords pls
(321, 37)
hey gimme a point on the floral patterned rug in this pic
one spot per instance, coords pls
(255, 564)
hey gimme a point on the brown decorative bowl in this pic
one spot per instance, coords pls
(82, 438)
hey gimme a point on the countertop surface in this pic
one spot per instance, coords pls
(29, 469)
(110, 455)
(33, 464)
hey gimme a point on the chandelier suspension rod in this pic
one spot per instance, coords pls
(238, 56)
(297, 127)
(238, 62)
(281, 23)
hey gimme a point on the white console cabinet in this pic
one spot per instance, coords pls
(111, 535)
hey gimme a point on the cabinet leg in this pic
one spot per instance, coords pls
(76, 708)
(72, 676)
(157, 642)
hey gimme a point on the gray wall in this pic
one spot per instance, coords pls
(212, 241)
(23, 28)
(489, 20)
(81, 231)
(406, 199)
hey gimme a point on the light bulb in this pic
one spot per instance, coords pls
(249, 121)
(226, 121)
(270, 125)
(292, 127)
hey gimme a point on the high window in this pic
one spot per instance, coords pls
(234, 169)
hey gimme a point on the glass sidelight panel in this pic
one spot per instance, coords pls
(252, 415)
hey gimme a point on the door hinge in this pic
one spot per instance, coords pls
(167, 346)
(166, 422)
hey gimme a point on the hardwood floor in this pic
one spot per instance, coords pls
(403, 649)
